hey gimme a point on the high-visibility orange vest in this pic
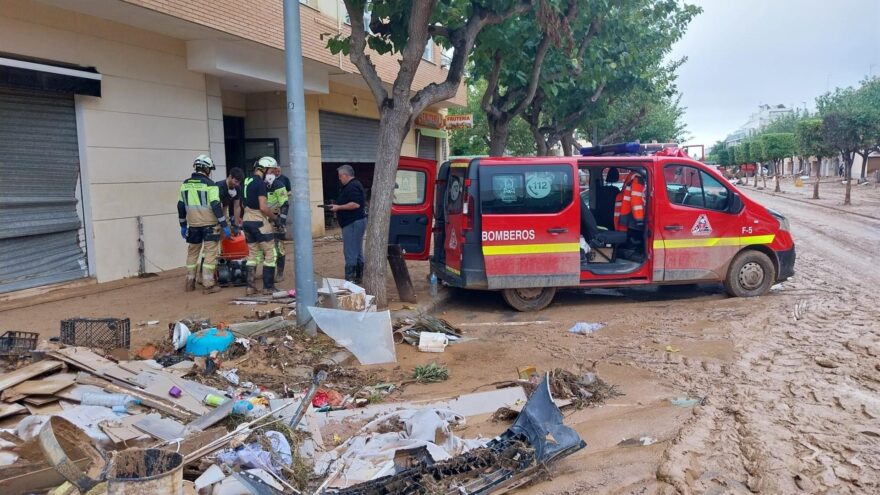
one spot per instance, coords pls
(629, 206)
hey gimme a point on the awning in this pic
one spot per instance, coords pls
(436, 133)
(51, 76)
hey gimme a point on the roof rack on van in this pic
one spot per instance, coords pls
(619, 149)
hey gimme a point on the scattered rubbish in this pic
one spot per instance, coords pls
(433, 342)
(145, 471)
(62, 443)
(325, 398)
(214, 400)
(242, 407)
(583, 328)
(537, 439)
(152, 323)
(147, 352)
(776, 287)
(584, 390)
(409, 330)
(637, 442)
(366, 334)
(431, 373)
(231, 375)
(102, 333)
(669, 348)
(504, 414)
(204, 342)
(526, 372)
(212, 475)
(179, 335)
(175, 392)
(257, 328)
(684, 401)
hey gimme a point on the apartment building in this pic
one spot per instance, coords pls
(105, 103)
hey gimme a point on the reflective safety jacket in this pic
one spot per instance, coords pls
(277, 198)
(199, 203)
(629, 206)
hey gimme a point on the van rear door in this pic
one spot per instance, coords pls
(411, 208)
(530, 222)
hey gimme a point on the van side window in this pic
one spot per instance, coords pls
(690, 186)
(409, 187)
(454, 190)
(525, 189)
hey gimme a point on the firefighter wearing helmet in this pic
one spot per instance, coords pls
(278, 186)
(201, 221)
(258, 225)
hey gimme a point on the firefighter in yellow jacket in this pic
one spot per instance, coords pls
(201, 221)
(258, 225)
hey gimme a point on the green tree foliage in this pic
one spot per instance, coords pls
(603, 83)
(809, 142)
(775, 147)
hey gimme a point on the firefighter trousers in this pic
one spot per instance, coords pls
(260, 238)
(204, 241)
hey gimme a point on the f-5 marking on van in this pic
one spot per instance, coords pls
(529, 226)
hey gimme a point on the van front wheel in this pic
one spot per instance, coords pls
(529, 299)
(750, 274)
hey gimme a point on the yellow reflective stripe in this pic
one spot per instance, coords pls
(713, 242)
(453, 270)
(460, 165)
(562, 247)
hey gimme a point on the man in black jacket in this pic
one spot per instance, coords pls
(349, 209)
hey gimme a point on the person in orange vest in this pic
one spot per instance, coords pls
(629, 206)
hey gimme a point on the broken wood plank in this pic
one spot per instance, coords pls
(218, 414)
(11, 409)
(46, 409)
(30, 371)
(41, 400)
(43, 386)
(160, 428)
(123, 430)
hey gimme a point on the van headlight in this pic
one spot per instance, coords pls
(783, 222)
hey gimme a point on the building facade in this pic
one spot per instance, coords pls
(757, 121)
(105, 103)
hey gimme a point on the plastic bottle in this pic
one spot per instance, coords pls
(108, 400)
(434, 284)
(241, 407)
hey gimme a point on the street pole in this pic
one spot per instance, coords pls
(300, 223)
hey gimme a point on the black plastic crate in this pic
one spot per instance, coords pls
(103, 333)
(14, 342)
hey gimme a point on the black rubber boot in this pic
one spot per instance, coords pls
(269, 279)
(350, 272)
(359, 274)
(251, 272)
(279, 268)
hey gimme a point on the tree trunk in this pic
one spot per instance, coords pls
(816, 184)
(864, 174)
(568, 144)
(499, 131)
(393, 126)
(847, 173)
(763, 178)
(776, 176)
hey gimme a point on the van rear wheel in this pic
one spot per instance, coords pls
(529, 299)
(751, 273)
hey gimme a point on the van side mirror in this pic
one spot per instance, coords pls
(736, 204)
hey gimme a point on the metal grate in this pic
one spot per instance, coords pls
(13, 342)
(104, 333)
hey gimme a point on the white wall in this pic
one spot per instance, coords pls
(141, 136)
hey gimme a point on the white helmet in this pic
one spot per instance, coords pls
(203, 162)
(264, 163)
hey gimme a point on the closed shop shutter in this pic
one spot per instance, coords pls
(348, 139)
(428, 147)
(40, 221)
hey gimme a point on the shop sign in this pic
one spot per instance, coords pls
(459, 121)
(430, 119)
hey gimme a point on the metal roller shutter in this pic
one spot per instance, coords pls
(40, 236)
(348, 139)
(428, 147)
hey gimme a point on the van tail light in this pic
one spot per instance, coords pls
(467, 207)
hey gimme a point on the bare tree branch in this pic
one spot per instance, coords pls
(357, 51)
(491, 93)
(462, 40)
(625, 128)
(415, 46)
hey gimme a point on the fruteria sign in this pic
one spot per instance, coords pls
(430, 119)
(459, 121)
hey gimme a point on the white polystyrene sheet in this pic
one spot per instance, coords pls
(366, 334)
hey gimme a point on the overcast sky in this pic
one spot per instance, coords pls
(742, 53)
